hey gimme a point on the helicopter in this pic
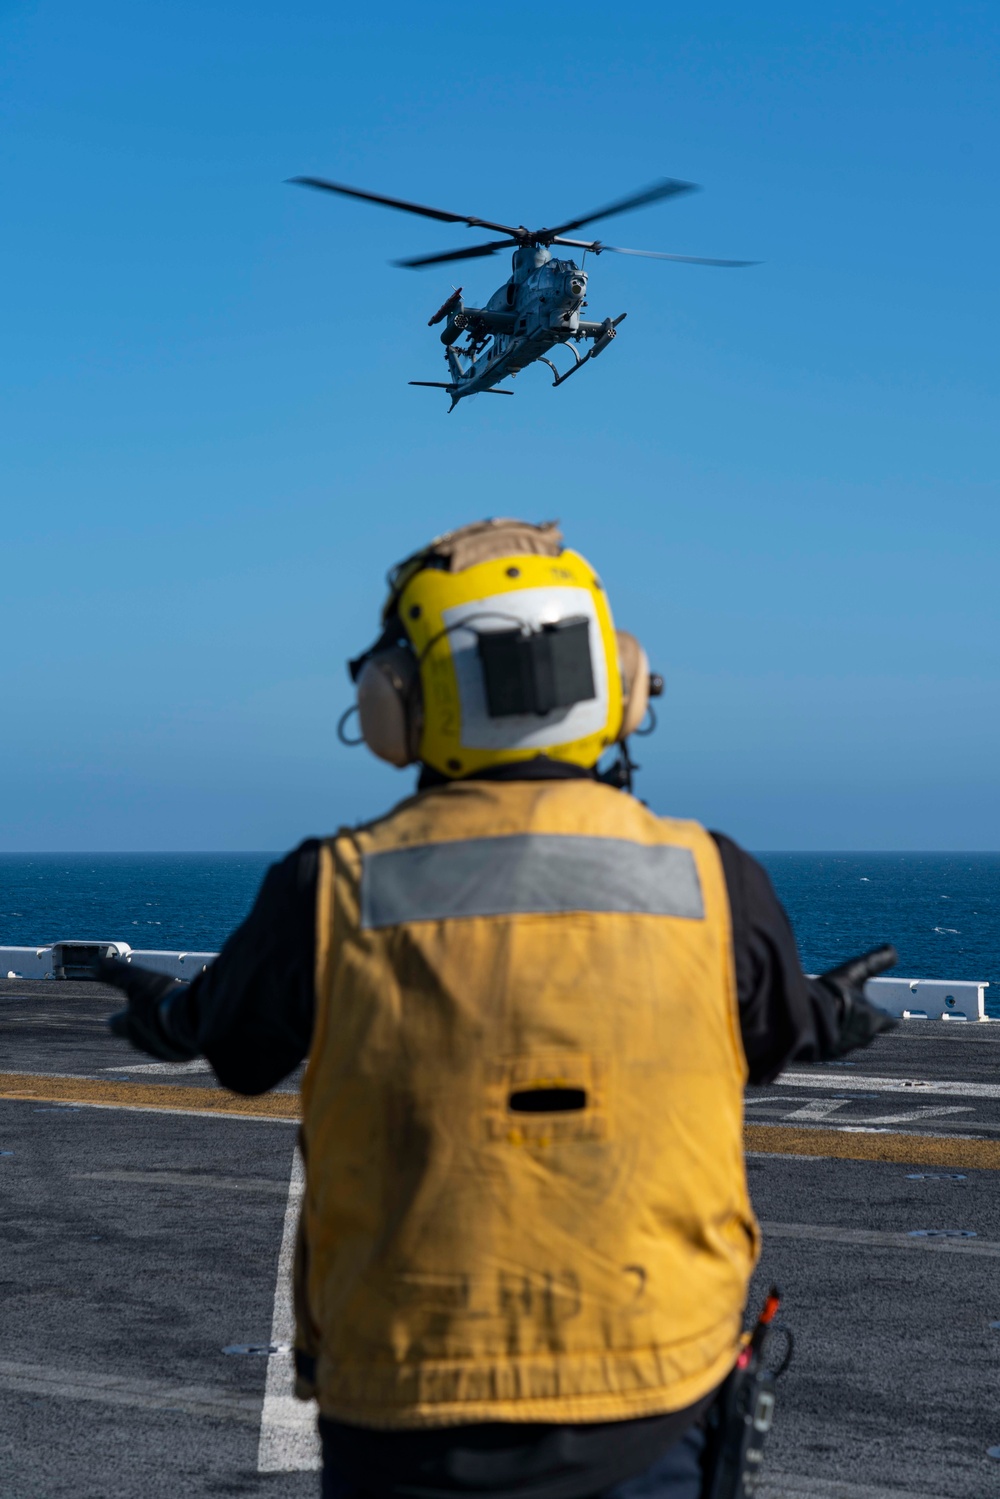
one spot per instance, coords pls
(537, 308)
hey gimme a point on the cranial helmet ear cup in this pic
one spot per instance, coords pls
(390, 705)
(634, 665)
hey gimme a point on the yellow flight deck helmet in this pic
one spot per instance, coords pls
(497, 646)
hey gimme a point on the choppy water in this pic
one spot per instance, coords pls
(942, 911)
(172, 901)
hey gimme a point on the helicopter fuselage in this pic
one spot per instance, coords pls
(536, 309)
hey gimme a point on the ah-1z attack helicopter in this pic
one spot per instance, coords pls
(537, 308)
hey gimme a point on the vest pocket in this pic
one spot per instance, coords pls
(541, 1100)
(547, 1100)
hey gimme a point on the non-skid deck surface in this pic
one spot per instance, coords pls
(146, 1212)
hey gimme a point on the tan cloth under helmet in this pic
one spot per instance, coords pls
(522, 1114)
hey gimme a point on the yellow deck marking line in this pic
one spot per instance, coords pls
(763, 1139)
(857, 1145)
(46, 1088)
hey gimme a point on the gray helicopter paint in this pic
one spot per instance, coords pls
(545, 297)
(538, 308)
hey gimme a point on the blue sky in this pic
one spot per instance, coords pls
(210, 454)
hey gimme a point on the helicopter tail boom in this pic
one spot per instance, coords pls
(456, 392)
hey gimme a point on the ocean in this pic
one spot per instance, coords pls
(941, 911)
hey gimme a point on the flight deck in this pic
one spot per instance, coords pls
(146, 1237)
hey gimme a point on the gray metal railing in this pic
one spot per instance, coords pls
(908, 999)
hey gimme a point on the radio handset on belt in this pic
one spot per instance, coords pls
(740, 1419)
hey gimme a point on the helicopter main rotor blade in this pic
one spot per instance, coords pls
(471, 252)
(659, 255)
(668, 188)
(401, 203)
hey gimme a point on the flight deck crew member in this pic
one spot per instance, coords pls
(529, 1008)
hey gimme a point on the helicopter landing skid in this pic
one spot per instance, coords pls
(610, 331)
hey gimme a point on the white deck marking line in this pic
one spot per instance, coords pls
(777, 1155)
(777, 1485)
(913, 1116)
(858, 1083)
(818, 1108)
(172, 1068)
(187, 1179)
(870, 1238)
(52, 1023)
(117, 1389)
(289, 1439)
(153, 1108)
(822, 1108)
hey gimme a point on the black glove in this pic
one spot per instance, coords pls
(859, 1021)
(146, 1020)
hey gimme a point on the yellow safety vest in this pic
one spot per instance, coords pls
(522, 1114)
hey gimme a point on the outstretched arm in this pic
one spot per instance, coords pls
(783, 1014)
(251, 1012)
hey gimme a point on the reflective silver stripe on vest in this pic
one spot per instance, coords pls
(528, 872)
